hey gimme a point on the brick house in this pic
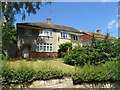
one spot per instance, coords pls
(87, 36)
(42, 39)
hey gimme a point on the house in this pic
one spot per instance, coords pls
(87, 36)
(42, 39)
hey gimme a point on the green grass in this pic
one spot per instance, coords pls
(42, 64)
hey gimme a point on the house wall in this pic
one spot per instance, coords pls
(34, 39)
(71, 40)
(76, 42)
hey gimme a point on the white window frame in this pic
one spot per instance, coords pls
(43, 33)
(75, 37)
(42, 45)
(28, 32)
(65, 35)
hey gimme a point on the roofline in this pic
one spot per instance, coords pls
(48, 28)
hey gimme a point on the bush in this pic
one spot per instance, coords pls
(88, 73)
(106, 72)
(27, 74)
(64, 48)
(99, 52)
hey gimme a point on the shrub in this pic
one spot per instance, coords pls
(88, 73)
(106, 72)
(64, 48)
(27, 74)
(99, 52)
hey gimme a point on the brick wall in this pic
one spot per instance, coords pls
(43, 54)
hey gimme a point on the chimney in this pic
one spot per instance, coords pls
(48, 20)
(99, 31)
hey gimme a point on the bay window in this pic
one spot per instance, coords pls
(44, 47)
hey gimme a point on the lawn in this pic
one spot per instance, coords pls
(42, 64)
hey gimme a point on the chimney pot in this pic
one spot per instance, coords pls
(98, 31)
(48, 20)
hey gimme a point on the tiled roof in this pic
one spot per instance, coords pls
(89, 34)
(49, 26)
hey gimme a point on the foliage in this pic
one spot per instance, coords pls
(28, 71)
(10, 9)
(8, 37)
(65, 47)
(27, 74)
(106, 72)
(99, 52)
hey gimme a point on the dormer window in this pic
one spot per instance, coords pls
(65, 35)
(45, 33)
(75, 37)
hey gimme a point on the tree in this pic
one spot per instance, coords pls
(9, 10)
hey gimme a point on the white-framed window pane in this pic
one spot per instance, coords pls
(40, 32)
(75, 37)
(65, 35)
(45, 33)
(40, 48)
(50, 33)
(44, 47)
(50, 48)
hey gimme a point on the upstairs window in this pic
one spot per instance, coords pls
(45, 33)
(65, 35)
(75, 37)
(28, 32)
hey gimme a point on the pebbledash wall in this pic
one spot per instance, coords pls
(65, 82)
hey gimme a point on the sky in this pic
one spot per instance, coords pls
(83, 16)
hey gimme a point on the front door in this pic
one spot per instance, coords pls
(25, 52)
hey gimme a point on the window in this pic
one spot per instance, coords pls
(75, 37)
(28, 33)
(65, 35)
(45, 33)
(44, 47)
